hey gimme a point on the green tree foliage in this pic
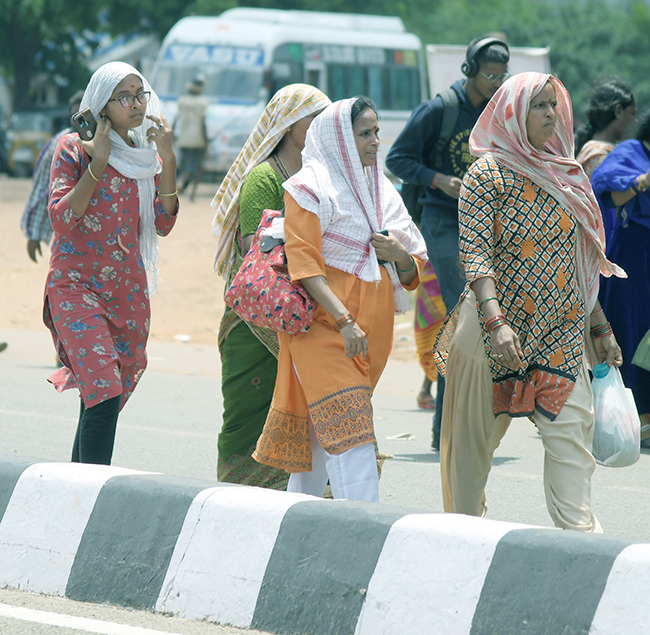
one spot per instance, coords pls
(37, 37)
(44, 36)
(589, 39)
(144, 16)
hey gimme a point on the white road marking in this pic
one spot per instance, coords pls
(79, 623)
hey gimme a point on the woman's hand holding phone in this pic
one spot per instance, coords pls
(388, 247)
(99, 147)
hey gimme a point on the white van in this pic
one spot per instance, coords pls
(245, 55)
(444, 62)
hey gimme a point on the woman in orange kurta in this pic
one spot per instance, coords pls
(320, 424)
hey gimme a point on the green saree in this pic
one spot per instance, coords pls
(248, 358)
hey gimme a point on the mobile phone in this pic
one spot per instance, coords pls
(84, 123)
(384, 232)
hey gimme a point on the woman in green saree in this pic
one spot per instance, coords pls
(248, 353)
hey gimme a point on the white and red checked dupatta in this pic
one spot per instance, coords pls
(351, 202)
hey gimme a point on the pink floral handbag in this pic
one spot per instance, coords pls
(261, 292)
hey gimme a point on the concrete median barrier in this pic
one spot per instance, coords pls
(295, 565)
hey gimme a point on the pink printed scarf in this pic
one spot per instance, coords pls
(501, 132)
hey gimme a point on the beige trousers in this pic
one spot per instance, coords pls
(471, 433)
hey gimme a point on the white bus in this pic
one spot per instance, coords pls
(245, 55)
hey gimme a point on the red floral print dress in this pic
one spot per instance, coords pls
(96, 298)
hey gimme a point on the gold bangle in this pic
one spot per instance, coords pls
(174, 193)
(91, 174)
(344, 321)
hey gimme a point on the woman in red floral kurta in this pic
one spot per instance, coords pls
(104, 255)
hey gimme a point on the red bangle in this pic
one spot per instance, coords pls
(601, 330)
(595, 337)
(494, 318)
(496, 321)
(496, 325)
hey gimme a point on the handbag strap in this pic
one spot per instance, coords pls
(268, 243)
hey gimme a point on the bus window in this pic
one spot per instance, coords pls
(392, 86)
(336, 88)
(316, 74)
(231, 73)
(374, 85)
(398, 82)
(358, 84)
(400, 88)
(287, 66)
(346, 80)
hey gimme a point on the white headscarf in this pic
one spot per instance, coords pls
(351, 202)
(140, 163)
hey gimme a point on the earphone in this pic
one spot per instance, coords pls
(470, 66)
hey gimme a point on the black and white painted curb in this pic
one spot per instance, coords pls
(296, 565)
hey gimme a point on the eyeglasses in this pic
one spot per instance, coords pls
(127, 101)
(493, 79)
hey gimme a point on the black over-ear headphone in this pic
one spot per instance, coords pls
(470, 66)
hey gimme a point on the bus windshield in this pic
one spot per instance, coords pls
(231, 74)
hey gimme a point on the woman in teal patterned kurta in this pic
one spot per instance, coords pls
(249, 353)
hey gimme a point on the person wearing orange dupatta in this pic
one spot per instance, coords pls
(320, 425)
(528, 325)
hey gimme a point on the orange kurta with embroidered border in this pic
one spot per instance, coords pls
(333, 391)
(516, 233)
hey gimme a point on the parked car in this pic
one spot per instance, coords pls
(28, 132)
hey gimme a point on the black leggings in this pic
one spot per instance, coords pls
(95, 436)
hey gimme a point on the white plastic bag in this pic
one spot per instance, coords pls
(617, 433)
(642, 353)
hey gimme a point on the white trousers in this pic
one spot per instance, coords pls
(352, 474)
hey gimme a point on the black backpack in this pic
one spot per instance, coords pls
(412, 193)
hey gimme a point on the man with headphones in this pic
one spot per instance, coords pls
(432, 151)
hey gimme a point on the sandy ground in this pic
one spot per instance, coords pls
(190, 297)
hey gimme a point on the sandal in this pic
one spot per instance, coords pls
(426, 402)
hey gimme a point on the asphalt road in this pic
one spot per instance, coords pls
(171, 424)
(33, 614)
